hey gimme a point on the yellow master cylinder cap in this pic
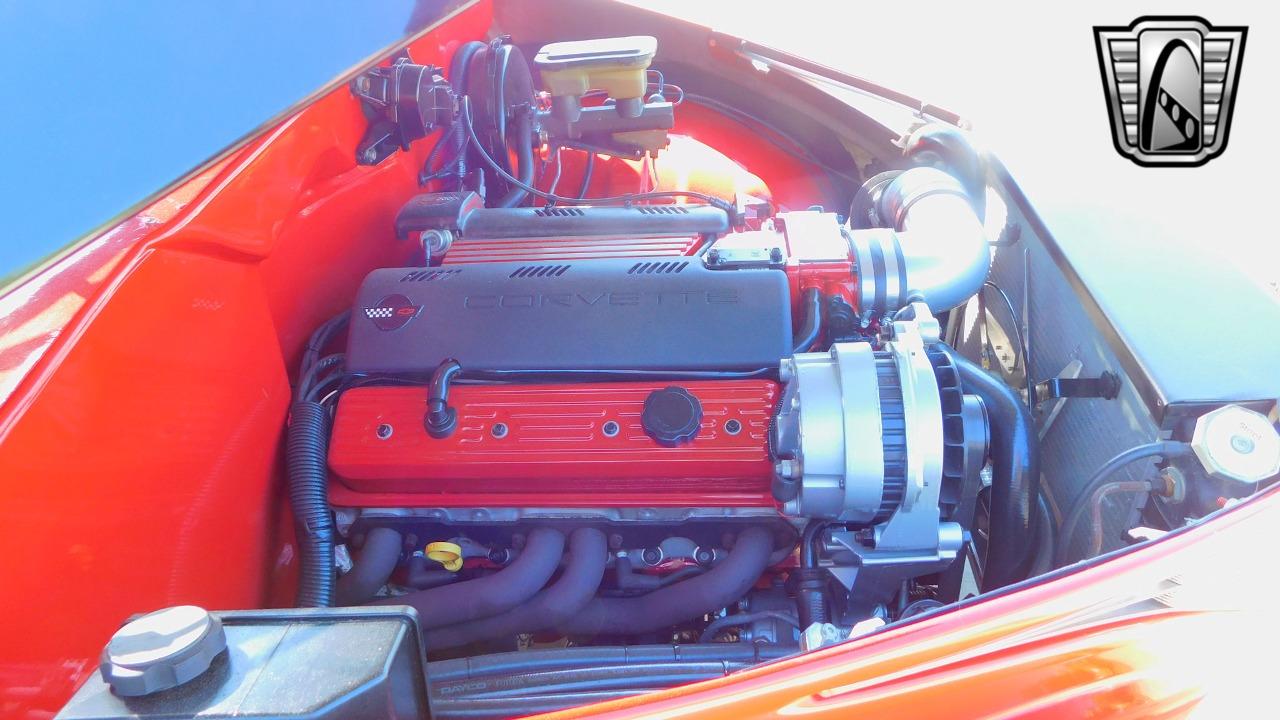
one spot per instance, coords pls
(615, 65)
(447, 554)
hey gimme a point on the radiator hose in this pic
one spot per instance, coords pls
(306, 451)
(470, 600)
(555, 604)
(719, 587)
(1015, 476)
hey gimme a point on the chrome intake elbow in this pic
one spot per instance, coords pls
(932, 245)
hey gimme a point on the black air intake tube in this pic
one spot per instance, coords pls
(1015, 477)
(306, 452)
(459, 67)
(720, 586)
(378, 559)
(557, 603)
(497, 593)
(524, 161)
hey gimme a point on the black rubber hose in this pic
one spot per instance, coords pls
(808, 541)
(587, 171)
(740, 619)
(1015, 476)
(378, 559)
(471, 600)
(543, 679)
(441, 419)
(1046, 540)
(547, 659)
(307, 381)
(719, 587)
(422, 573)
(320, 338)
(584, 568)
(459, 68)
(524, 161)
(1165, 448)
(306, 453)
(811, 584)
(807, 335)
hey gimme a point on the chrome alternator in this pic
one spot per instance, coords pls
(869, 438)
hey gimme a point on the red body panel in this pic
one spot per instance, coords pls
(555, 451)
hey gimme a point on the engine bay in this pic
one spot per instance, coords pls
(615, 420)
(678, 416)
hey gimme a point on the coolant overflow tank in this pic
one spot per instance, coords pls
(314, 662)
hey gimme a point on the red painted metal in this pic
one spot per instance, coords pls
(555, 450)
(576, 248)
(1158, 632)
(144, 382)
(829, 278)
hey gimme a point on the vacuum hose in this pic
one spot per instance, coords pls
(306, 451)
(553, 605)
(812, 327)
(720, 586)
(510, 587)
(1015, 476)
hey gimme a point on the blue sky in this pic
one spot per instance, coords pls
(106, 102)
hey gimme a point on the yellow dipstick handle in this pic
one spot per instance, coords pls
(447, 554)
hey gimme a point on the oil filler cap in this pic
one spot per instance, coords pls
(671, 416)
(162, 650)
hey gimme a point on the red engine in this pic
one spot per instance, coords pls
(581, 444)
(552, 445)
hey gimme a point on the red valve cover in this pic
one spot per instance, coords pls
(554, 452)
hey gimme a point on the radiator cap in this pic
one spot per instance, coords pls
(671, 416)
(162, 650)
(1236, 443)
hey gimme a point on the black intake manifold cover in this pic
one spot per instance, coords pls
(596, 315)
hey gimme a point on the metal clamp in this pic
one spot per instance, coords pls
(1106, 386)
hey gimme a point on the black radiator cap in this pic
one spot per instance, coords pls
(671, 416)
